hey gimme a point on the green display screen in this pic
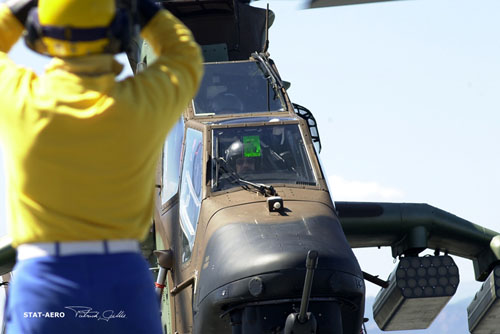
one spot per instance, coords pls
(251, 146)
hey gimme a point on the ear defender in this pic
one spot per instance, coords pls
(70, 41)
(33, 32)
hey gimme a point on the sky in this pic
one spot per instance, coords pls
(406, 98)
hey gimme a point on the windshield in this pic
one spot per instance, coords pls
(263, 154)
(236, 88)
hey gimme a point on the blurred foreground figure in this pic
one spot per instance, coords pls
(81, 152)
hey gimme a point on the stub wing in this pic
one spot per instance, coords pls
(409, 228)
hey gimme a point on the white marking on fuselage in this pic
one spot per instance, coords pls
(307, 227)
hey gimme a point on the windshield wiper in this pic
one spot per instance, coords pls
(271, 77)
(270, 74)
(264, 189)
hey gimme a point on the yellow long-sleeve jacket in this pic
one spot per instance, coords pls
(80, 148)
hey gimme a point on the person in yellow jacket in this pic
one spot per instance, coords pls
(81, 151)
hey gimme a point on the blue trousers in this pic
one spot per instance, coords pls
(111, 293)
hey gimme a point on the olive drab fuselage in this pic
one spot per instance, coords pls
(241, 197)
(239, 138)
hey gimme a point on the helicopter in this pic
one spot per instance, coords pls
(246, 237)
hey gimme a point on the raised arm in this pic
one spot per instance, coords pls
(167, 85)
(13, 15)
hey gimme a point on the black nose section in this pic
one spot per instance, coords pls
(250, 263)
(243, 250)
(240, 250)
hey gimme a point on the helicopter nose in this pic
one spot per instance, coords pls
(249, 262)
(243, 250)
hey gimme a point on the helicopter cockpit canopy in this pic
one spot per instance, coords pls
(237, 88)
(271, 154)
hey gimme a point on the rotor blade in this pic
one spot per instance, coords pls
(328, 3)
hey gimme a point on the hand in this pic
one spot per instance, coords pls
(146, 10)
(21, 8)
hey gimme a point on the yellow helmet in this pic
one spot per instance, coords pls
(72, 28)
